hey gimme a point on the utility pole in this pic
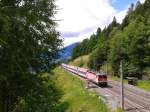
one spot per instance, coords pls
(122, 89)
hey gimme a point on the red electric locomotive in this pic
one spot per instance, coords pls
(98, 78)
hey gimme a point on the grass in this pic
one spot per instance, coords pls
(115, 78)
(144, 85)
(75, 97)
(80, 61)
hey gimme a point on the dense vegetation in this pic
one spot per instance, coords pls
(86, 46)
(128, 41)
(28, 47)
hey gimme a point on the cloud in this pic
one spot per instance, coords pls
(77, 15)
(142, 1)
(68, 41)
(120, 15)
(70, 34)
(80, 18)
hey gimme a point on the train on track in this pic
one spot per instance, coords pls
(99, 78)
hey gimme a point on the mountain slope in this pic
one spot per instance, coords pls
(66, 53)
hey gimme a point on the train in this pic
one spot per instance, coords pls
(99, 78)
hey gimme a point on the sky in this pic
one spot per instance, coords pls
(78, 19)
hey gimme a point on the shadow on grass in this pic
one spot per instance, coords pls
(63, 107)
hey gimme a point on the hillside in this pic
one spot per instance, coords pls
(81, 61)
(128, 41)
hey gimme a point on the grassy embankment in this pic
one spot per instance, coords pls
(75, 97)
(83, 60)
(80, 61)
(144, 85)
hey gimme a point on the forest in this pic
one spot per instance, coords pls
(28, 47)
(128, 42)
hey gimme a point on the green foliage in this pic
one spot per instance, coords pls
(87, 45)
(41, 98)
(28, 46)
(132, 46)
(99, 55)
(144, 85)
(128, 41)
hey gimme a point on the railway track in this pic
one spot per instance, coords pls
(136, 100)
(139, 102)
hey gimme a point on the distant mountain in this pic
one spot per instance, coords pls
(66, 53)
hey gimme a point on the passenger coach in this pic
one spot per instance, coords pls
(99, 78)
